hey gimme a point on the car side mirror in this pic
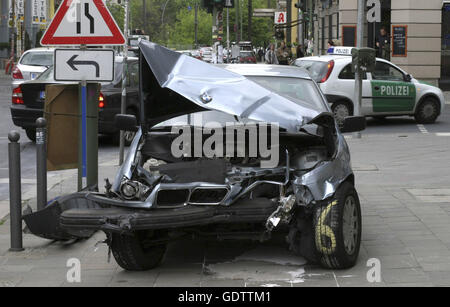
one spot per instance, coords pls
(408, 78)
(126, 122)
(353, 124)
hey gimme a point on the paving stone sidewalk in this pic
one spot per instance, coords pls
(403, 183)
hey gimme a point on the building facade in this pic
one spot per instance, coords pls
(418, 30)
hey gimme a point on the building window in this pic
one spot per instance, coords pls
(330, 27)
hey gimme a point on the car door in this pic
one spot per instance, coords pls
(346, 84)
(391, 94)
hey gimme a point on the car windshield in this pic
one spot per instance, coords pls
(46, 75)
(37, 59)
(246, 53)
(316, 69)
(301, 91)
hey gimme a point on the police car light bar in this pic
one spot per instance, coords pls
(340, 50)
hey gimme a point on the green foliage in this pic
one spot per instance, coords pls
(118, 12)
(182, 32)
(176, 25)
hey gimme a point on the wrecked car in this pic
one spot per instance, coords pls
(228, 152)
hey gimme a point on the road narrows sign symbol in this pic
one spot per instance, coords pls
(83, 22)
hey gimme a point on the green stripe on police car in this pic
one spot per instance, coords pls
(392, 96)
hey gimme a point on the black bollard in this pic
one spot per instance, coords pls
(15, 192)
(41, 163)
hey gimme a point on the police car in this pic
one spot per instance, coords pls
(388, 91)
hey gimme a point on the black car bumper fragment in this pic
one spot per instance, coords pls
(120, 219)
(24, 116)
(79, 215)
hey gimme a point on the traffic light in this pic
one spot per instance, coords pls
(364, 58)
(279, 34)
(210, 4)
(301, 4)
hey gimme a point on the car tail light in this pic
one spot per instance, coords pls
(17, 96)
(330, 70)
(16, 73)
(101, 101)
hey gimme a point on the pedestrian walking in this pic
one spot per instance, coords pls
(284, 54)
(271, 56)
(330, 46)
(299, 52)
(261, 54)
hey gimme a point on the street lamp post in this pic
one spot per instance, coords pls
(196, 25)
(13, 54)
(228, 29)
(358, 73)
(162, 19)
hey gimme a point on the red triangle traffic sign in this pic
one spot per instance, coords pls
(83, 22)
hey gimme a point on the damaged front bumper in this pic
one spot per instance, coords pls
(79, 215)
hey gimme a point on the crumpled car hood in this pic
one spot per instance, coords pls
(209, 87)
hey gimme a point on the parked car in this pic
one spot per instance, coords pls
(245, 46)
(28, 100)
(31, 64)
(388, 91)
(161, 194)
(247, 57)
(206, 54)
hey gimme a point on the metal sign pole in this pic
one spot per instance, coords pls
(82, 156)
(358, 73)
(123, 104)
(41, 163)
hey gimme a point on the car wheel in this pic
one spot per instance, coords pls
(135, 252)
(337, 228)
(341, 110)
(31, 134)
(301, 238)
(427, 112)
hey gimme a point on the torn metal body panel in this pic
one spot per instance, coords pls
(326, 177)
(165, 187)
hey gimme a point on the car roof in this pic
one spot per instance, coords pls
(267, 70)
(335, 57)
(326, 58)
(40, 49)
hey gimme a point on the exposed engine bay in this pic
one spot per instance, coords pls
(152, 178)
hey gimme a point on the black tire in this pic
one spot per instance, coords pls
(427, 112)
(379, 117)
(133, 253)
(31, 134)
(301, 238)
(331, 231)
(341, 109)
